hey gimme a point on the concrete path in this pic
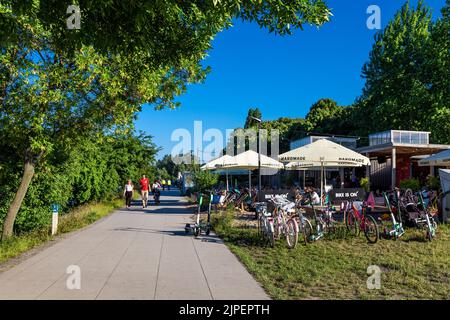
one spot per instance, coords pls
(134, 254)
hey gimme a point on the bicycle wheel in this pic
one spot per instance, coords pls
(319, 227)
(270, 233)
(351, 223)
(276, 227)
(431, 229)
(291, 233)
(371, 229)
(429, 235)
(306, 229)
(330, 227)
(196, 231)
(261, 227)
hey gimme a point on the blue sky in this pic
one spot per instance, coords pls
(282, 76)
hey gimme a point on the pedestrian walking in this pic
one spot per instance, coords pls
(163, 182)
(169, 183)
(128, 193)
(144, 190)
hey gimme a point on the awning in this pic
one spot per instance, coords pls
(438, 159)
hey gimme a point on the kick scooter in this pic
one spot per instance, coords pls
(199, 226)
(396, 229)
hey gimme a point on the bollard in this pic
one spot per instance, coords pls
(55, 209)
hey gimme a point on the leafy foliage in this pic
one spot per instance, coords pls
(204, 180)
(249, 121)
(92, 171)
(407, 83)
(413, 184)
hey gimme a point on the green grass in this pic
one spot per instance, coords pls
(75, 219)
(337, 268)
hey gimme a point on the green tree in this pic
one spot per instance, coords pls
(59, 85)
(249, 121)
(50, 100)
(93, 169)
(407, 76)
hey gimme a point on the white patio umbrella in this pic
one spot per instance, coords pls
(324, 153)
(248, 160)
(438, 159)
(219, 162)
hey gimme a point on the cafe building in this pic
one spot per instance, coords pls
(395, 156)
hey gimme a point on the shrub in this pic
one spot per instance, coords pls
(204, 180)
(412, 184)
(433, 183)
(365, 184)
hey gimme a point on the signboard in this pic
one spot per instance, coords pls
(187, 182)
(266, 195)
(55, 210)
(347, 194)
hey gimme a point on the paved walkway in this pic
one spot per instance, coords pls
(134, 254)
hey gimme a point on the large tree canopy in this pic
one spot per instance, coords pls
(59, 85)
(407, 83)
(168, 37)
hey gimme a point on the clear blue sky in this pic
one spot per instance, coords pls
(282, 76)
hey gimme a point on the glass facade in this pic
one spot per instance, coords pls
(399, 136)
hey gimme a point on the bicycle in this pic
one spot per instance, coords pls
(265, 224)
(304, 225)
(358, 220)
(415, 209)
(323, 222)
(428, 221)
(284, 225)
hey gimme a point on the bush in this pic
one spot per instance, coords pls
(412, 184)
(222, 222)
(90, 171)
(365, 184)
(433, 183)
(204, 180)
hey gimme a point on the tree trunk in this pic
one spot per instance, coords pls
(28, 173)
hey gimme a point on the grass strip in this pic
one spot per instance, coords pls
(336, 268)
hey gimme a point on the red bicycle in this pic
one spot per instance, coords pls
(357, 221)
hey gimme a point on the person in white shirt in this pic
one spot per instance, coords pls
(128, 193)
(315, 198)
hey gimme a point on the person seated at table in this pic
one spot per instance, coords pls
(313, 195)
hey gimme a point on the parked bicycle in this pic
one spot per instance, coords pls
(323, 221)
(265, 223)
(304, 225)
(357, 220)
(416, 213)
(284, 225)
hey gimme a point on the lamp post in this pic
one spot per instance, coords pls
(259, 157)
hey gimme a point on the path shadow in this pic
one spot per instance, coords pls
(176, 233)
(166, 211)
(156, 231)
